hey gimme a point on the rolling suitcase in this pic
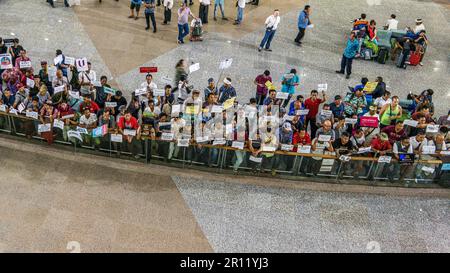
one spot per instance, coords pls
(382, 56)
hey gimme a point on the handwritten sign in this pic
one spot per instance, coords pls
(410, 122)
(305, 149)
(74, 134)
(116, 138)
(324, 138)
(429, 149)
(69, 61)
(384, 159)
(58, 124)
(183, 142)
(282, 95)
(322, 87)
(82, 64)
(432, 128)
(32, 114)
(129, 132)
(255, 159)
(194, 67)
(59, 89)
(42, 128)
(139, 92)
(266, 148)
(287, 147)
(238, 145)
(302, 112)
(110, 104)
(364, 150)
(24, 64)
(176, 109)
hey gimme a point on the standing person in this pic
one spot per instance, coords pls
(271, 25)
(180, 73)
(312, 103)
(227, 91)
(419, 26)
(349, 55)
(392, 23)
(203, 10)
(190, 2)
(135, 5)
(220, 4)
(15, 49)
(62, 64)
(240, 4)
(288, 84)
(261, 88)
(168, 5)
(303, 22)
(183, 22)
(150, 14)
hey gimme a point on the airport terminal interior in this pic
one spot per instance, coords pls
(65, 198)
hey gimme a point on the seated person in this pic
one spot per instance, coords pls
(196, 30)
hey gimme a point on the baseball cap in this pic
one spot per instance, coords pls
(287, 126)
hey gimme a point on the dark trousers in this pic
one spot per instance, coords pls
(167, 15)
(203, 13)
(149, 16)
(268, 36)
(312, 122)
(301, 33)
(346, 62)
(260, 98)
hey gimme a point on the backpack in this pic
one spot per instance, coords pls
(382, 56)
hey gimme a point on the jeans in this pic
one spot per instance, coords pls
(312, 122)
(167, 15)
(301, 33)
(203, 13)
(346, 62)
(239, 159)
(221, 10)
(240, 15)
(268, 36)
(183, 30)
(260, 98)
(149, 16)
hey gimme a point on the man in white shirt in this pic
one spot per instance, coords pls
(392, 23)
(419, 26)
(149, 84)
(203, 10)
(383, 100)
(271, 26)
(168, 5)
(87, 79)
(240, 12)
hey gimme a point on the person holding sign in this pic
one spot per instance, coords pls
(89, 121)
(261, 88)
(21, 95)
(354, 103)
(227, 91)
(288, 84)
(349, 54)
(128, 122)
(271, 25)
(47, 114)
(312, 104)
(86, 79)
(402, 147)
(23, 58)
(15, 50)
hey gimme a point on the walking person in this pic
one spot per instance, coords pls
(219, 3)
(349, 55)
(240, 4)
(135, 5)
(303, 22)
(203, 10)
(150, 14)
(271, 27)
(168, 5)
(183, 22)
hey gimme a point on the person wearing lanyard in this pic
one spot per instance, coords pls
(271, 27)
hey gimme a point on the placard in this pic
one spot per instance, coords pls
(30, 83)
(266, 148)
(108, 90)
(288, 76)
(228, 103)
(288, 118)
(159, 92)
(352, 121)
(255, 159)
(148, 69)
(176, 108)
(194, 67)
(428, 149)
(324, 138)
(82, 130)
(82, 64)
(322, 87)
(74, 134)
(445, 153)
(32, 114)
(58, 59)
(74, 94)
(201, 139)
(42, 128)
(428, 169)
(217, 109)
(116, 138)
(100, 131)
(183, 142)
(139, 92)
(6, 61)
(384, 159)
(58, 89)
(3, 108)
(24, 64)
(111, 104)
(68, 116)
(69, 61)
(432, 128)
(225, 63)
(364, 150)
(167, 136)
(302, 112)
(327, 113)
(21, 107)
(305, 149)
(13, 111)
(58, 124)
(238, 145)
(166, 80)
(345, 158)
(219, 142)
(410, 122)
(282, 95)
(287, 147)
(129, 132)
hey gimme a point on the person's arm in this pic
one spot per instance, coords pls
(383, 109)
(400, 113)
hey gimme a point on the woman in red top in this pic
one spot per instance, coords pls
(301, 138)
(372, 29)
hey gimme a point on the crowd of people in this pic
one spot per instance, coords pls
(69, 100)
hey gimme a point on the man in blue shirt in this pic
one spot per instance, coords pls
(150, 13)
(226, 91)
(349, 55)
(303, 22)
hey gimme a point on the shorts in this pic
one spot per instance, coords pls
(135, 6)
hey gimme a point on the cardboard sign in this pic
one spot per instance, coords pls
(24, 64)
(159, 92)
(42, 128)
(30, 83)
(238, 145)
(128, 132)
(74, 134)
(194, 67)
(255, 159)
(148, 69)
(59, 89)
(302, 112)
(324, 138)
(217, 109)
(108, 90)
(74, 94)
(287, 147)
(69, 61)
(6, 61)
(225, 63)
(384, 159)
(432, 128)
(305, 149)
(58, 124)
(110, 104)
(167, 136)
(183, 142)
(429, 149)
(82, 64)
(32, 114)
(351, 121)
(116, 138)
(410, 122)
(322, 87)
(282, 95)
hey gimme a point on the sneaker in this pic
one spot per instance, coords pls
(135, 18)
(154, 31)
(147, 28)
(339, 72)
(268, 49)
(131, 16)
(347, 76)
(259, 49)
(421, 63)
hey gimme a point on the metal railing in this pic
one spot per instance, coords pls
(224, 158)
